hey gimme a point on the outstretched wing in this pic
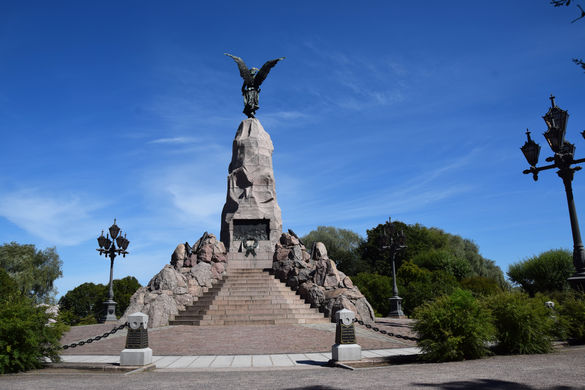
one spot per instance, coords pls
(244, 71)
(263, 72)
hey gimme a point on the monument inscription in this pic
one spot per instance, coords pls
(251, 228)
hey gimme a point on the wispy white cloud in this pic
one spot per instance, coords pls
(174, 140)
(60, 220)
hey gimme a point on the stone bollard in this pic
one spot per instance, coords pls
(345, 347)
(137, 352)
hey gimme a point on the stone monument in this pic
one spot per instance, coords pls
(251, 220)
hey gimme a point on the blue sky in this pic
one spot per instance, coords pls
(414, 110)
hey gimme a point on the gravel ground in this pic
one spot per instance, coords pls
(561, 370)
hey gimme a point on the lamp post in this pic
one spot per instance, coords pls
(563, 159)
(394, 242)
(108, 249)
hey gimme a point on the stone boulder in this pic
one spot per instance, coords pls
(317, 279)
(192, 270)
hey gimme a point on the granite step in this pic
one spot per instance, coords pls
(248, 297)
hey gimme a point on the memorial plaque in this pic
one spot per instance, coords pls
(345, 334)
(137, 338)
(251, 228)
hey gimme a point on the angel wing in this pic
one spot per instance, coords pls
(263, 72)
(244, 71)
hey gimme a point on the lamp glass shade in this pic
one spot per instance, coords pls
(125, 243)
(114, 230)
(101, 240)
(107, 243)
(531, 150)
(555, 138)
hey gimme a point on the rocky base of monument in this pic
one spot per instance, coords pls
(190, 273)
(317, 279)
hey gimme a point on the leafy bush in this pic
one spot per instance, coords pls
(25, 336)
(571, 310)
(543, 273)
(523, 325)
(481, 286)
(418, 285)
(453, 327)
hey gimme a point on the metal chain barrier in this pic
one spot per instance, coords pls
(96, 338)
(376, 329)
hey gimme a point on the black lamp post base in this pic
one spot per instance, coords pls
(110, 314)
(577, 282)
(396, 308)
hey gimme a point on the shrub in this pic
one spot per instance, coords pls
(543, 273)
(523, 325)
(453, 327)
(571, 310)
(481, 286)
(25, 336)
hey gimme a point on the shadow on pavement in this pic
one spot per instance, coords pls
(312, 363)
(485, 384)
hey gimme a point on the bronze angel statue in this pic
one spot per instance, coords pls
(252, 80)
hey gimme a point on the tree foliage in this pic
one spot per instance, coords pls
(432, 248)
(342, 245)
(84, 304)
(26, 337)
(34, 271)
(545, 272)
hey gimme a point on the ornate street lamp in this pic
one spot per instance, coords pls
(394, 242)
(108, 249)
(564, 151)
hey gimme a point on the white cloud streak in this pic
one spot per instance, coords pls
(60, 220)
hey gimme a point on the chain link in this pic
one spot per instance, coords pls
(96, 338)
(376, 329)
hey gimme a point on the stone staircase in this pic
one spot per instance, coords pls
(249, 297)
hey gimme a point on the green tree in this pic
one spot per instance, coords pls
(377, 289)
(545, 272)
(34, 271)
(429, 246)
(25, 335)
(84, 304)
(81, 303)
(342, 245)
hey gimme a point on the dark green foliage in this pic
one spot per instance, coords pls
(523, 325)
(341, 246)
(443, 260)
(84, 304)
(543, 273)
(418, 285)
(123, 290)
(430, 247)
(25, 337)
(481, 286)
(377, 289)
(453, 327)
(34, 271)
(571, 309)
(84, 301)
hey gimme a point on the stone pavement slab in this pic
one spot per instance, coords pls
(305, 360)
